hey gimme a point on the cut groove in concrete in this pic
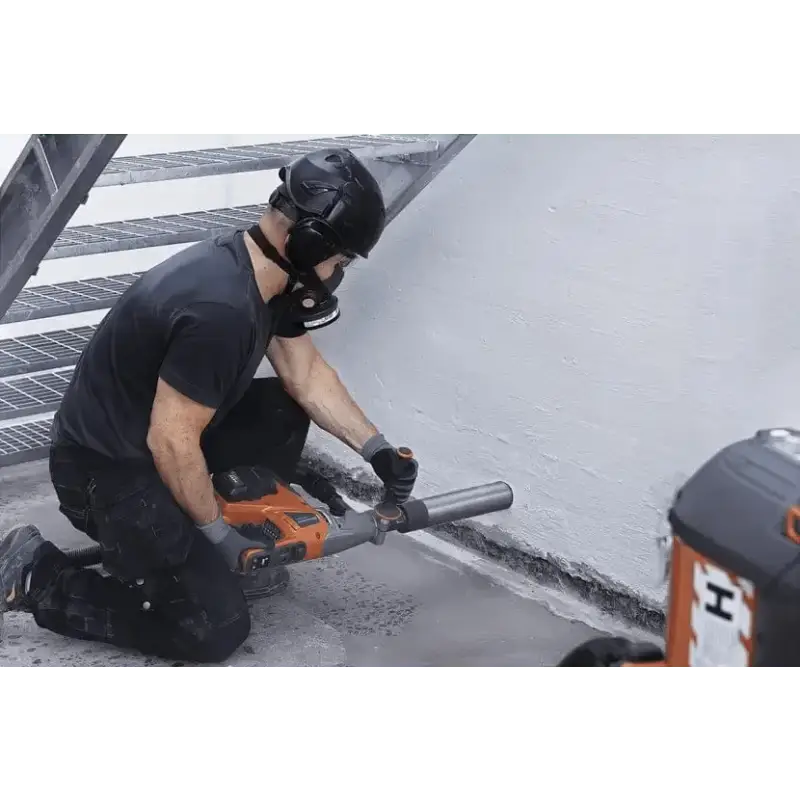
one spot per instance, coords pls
(596, 590)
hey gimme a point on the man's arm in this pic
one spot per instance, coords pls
(207, 345)
(316, 387)
(176, 424)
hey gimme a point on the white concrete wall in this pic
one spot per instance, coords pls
(586, 317)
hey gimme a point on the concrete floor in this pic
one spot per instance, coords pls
(413, 602)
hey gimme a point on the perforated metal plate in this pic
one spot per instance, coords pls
(70, 297)
(40, 351)
(26, 441)
(250, 158)
(133, 234)
(32, 394)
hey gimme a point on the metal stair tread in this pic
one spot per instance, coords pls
(406, 163)
(124, 170)
(24, 441)
(69, 297)
(34, 393)
(37, 351)
(109, 237)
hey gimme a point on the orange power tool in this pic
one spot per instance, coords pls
(286, 528)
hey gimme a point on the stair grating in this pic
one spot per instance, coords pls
(70, 297)
(39, 351)
(110, 237)
(251, 158)
(32, 394)
(24, 441)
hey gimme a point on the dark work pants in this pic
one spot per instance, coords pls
(168, 592)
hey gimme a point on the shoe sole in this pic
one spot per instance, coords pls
(13, 554)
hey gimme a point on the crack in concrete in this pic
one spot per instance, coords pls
(582, 581)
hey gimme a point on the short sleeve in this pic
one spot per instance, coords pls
(206, 352)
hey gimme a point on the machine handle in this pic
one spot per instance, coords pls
(406, 454)
(372, 526)
(388, 512)
(252, 559)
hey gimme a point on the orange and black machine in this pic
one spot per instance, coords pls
(734, 566)
(287, 526)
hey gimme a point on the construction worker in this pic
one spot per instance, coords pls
(164, 395)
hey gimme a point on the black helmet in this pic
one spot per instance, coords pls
(333, 194)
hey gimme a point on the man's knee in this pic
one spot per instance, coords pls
(217, 644)
(199, 609)
(203, 604)
(273, 399)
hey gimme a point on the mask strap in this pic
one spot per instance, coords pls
(266, 247)
(310, 279)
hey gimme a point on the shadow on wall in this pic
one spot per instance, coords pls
(587, 317)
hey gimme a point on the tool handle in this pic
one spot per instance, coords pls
(252, 559)
(406, 454)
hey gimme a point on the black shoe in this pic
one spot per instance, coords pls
(18, 553)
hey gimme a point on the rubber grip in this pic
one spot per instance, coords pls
(249, 556)
(416, 516)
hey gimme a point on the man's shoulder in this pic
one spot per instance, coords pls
(230, 313)
(206, 276)
(208, 265)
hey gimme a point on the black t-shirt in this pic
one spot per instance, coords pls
(197, 320)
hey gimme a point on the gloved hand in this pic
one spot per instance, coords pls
(237, 550)
(398, 474)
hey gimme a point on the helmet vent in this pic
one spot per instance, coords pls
(317, 187)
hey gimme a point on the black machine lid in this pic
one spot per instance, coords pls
(741, 509)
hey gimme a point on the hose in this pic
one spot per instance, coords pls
(85, 556)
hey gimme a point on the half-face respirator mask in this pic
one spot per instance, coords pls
(336, 207)
(307, 299)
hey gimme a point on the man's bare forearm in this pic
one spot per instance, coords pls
(329, 405)
(183, 469)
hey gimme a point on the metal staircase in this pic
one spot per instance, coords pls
(49, 182)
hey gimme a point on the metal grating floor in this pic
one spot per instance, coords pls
(249, 158)
(24, 442)
(70, 297)
(32, 394)
(39, 351)
(84, 240)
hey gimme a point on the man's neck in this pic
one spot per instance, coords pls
(270, 278)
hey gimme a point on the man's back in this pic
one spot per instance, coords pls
(201, 305)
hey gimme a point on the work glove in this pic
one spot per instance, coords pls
(237, 550)
(397, 472)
